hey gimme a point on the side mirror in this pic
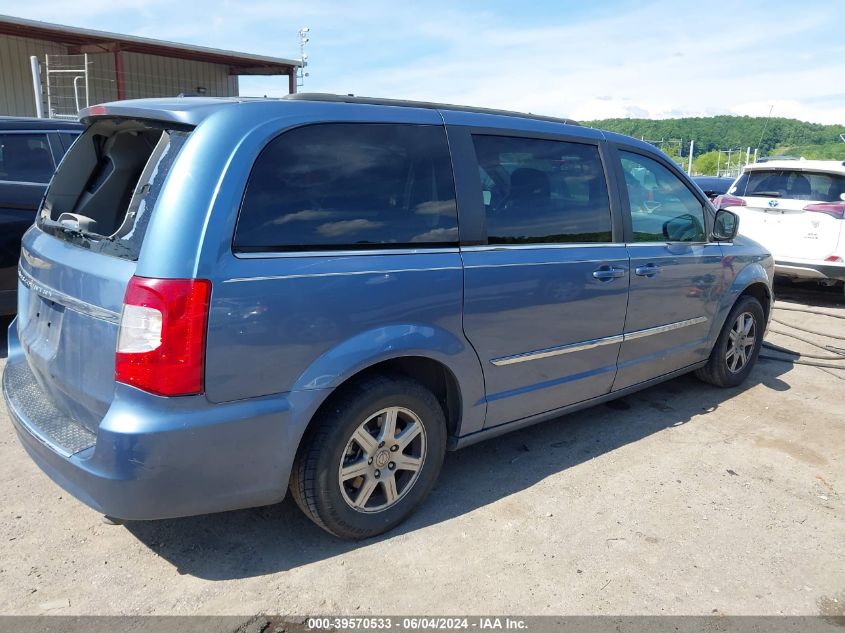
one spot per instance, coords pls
(726, 225)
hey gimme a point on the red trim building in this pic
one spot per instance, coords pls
(118, 67)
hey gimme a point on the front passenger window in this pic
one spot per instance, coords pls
(663, 209)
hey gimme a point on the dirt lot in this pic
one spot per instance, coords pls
(681, 499)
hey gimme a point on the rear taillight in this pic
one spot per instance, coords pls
(726, 200)
(835, 209)
(834, 258)
(161, 344)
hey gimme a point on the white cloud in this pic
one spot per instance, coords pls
(659, 59)
(794, 109)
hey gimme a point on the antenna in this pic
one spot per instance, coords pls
(768, 116)
(303, 57)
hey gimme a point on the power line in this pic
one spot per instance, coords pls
(765, 124)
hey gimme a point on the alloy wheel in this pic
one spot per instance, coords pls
(741, 341)
(382, 460)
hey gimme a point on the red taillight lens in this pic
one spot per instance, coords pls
(161, 344)
(726, 200)
(834, 258)
(836, 209)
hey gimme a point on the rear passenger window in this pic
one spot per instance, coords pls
(663, 209)
(340, 185)
(537, 191)
(25, 158)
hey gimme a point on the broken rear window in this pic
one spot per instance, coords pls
(104, 190)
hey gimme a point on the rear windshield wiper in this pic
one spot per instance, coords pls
(765, 194)
(69, 231)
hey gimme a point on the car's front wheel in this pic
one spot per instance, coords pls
(738, 345)
(370, 457)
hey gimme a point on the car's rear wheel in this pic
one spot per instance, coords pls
(737, 347)
(371, 456)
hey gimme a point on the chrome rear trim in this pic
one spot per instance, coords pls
(77, 305)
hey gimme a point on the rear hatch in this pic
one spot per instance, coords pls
(781, 212)
(76, 262)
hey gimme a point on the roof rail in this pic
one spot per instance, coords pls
(334, 98)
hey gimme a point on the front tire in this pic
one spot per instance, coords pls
(371, 457)
(736, 350)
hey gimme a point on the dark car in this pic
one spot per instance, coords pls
(30, 149)
(713, 186)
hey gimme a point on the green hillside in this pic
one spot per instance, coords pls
(779, 135)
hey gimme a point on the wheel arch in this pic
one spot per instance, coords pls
(433, 374)
(444, 363)
(753, 281)
(763, 293)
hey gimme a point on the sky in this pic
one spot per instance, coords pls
(584, 60)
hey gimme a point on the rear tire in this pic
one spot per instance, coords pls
(736, 350)
(371, 456)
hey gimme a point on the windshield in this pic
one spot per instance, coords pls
(790, 183)
(104, 191)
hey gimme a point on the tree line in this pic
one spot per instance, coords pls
(775, 137)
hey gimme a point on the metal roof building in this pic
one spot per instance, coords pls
(81, 67)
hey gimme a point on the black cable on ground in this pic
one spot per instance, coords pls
(819, 312)
(803, 339)
(783, 350)
(808, 331)
(796, 361)
(798, 358)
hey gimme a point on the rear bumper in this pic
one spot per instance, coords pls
(809, 269)
(156, 458)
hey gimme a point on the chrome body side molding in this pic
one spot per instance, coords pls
(585, 345)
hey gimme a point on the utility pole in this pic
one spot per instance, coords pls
(36, 86)
(689, 164)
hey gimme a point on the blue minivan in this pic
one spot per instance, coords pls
(223, 299)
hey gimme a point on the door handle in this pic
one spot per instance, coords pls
(609, 273)
(649, 270)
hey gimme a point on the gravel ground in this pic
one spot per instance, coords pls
(682, 499)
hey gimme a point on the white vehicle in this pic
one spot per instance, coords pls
(796, 209)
